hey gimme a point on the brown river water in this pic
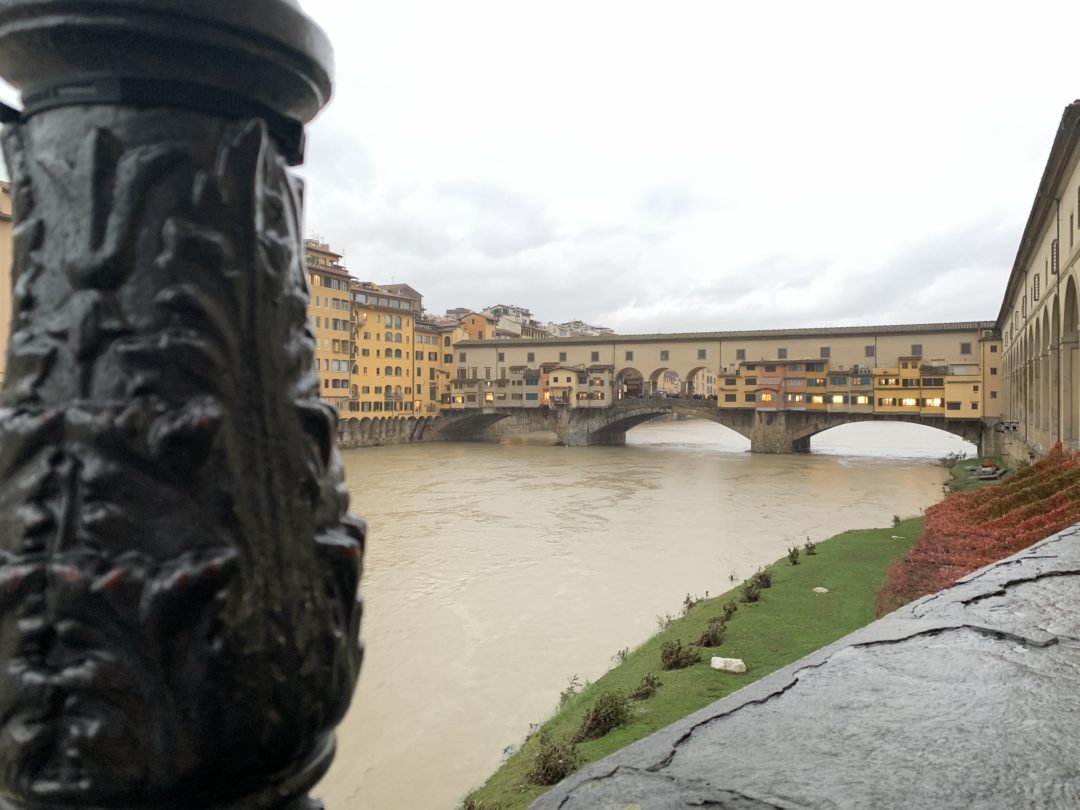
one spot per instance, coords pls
(494, 573)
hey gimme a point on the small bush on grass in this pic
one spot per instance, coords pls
(572, 687)
(555, 760)
(793, 555)
(729, 609)
(714, 633)
(751, 592)
(664, 622)
(647, 688)
(673, 655)
(472, 804)
(611, 710)
(692, 601)
(762, 578)
(809, 547)
(620, 656)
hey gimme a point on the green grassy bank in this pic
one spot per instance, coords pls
(789, 622)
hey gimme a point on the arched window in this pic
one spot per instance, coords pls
(389, 320)
(389, 370)
(397, 389)
(397, 371)
(397, 352)
(389, 337)
(397, 321)
(446, 341)
(397, 338)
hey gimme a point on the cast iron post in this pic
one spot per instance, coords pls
(178, 574)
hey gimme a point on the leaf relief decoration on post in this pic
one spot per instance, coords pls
(178, 571)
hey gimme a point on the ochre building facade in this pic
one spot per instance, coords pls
(1039, 317)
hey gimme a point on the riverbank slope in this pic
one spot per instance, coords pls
(790, 621)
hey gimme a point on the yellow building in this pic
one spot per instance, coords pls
(329, 310)
(5, 272)
(479, 326)
(388, 363)
(434, 361)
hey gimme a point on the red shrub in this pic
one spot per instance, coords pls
(967, 531)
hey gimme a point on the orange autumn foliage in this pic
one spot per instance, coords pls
(969, 530)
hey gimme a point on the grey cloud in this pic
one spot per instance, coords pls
(507, 223)
(405, 234)
(673, 203)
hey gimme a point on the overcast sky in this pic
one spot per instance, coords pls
(689, 164)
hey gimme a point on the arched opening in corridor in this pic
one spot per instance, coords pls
(663, 383)
(1070, 365)
(699, 383)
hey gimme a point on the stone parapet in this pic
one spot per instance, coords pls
(965, 698)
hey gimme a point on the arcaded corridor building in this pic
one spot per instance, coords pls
(1039, 317)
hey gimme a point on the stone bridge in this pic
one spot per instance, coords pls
(769, 431)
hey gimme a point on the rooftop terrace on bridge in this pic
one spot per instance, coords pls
(801, 331)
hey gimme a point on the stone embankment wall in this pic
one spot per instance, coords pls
(354, 433)
(965, 698)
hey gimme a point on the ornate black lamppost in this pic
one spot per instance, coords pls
(178, 575)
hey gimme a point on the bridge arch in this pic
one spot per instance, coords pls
(613, 428)
(970, 430)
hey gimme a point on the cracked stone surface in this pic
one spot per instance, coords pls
(969, 698)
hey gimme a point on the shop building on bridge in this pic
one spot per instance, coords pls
(948, 370)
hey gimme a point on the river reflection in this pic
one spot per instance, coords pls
(495, 572)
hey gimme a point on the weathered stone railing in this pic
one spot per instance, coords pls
(967, 698)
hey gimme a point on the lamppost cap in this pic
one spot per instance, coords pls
(239, 57)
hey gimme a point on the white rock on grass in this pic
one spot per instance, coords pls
(821, 590)
(728, 664)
